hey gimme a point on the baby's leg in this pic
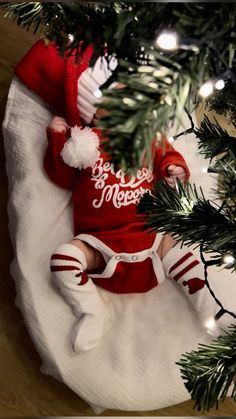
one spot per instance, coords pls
(181, 265)
(70, 264)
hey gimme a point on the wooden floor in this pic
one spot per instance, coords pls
(24, 391)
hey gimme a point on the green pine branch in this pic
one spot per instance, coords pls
(213, 139)
(190, 218)
(226, 187)
(210, 371)
(223, 101)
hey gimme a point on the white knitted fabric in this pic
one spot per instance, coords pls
(85, 299)
(134, 366)
(89, 83)
(180, 259)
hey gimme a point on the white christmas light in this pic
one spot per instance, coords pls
(220, 84)
(97, 93)
(206, 89)
(167, 40)
(139, 97)
(71, 37)
(171, 139)
(210, 324)
(228, 259)
(204, 169)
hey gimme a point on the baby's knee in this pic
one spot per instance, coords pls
(166, 244)
(95, 260)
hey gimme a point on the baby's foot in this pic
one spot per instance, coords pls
(88, 332)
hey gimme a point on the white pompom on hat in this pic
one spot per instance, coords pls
(82, 148)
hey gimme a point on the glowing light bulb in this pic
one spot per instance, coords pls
(220, 84)
(71, 37)
(167, 40)
(97, 93)
(139, 97)
(228, 259)
(171, 139)
(210, 324)
(205, 170)
(206, 89)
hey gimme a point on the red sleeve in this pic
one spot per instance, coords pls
(59, 172)
(166, 155)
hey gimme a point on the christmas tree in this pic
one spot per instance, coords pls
(170, 58)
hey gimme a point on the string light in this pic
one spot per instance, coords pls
(139, 97)
(205, 170)
(210, 324)
(206, 89)
(228, 259)
(97, 93)
(170, 139)
(71, 37)
(167, 40)
(220, 84)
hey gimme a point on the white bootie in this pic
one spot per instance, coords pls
(183, 267)
(68, 265)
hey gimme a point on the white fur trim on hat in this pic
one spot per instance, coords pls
(82, 148)
(88, 84)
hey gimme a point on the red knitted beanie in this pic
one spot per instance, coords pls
(54, 78)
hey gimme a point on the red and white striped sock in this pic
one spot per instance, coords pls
(68, 265)
(181, 265)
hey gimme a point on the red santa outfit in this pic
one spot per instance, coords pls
(105, 215)
(104, 201)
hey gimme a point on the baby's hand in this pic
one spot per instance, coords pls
(58, 124)
(175, 172)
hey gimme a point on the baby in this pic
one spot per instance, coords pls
(110, 248)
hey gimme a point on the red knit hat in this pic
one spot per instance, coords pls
(54, 78)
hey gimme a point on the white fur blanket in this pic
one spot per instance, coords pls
(134, 366)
